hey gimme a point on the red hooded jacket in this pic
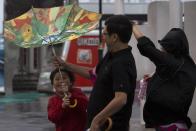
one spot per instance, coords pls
(68, 119)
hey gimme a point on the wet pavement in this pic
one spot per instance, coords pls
(28, 112)
(24, 111)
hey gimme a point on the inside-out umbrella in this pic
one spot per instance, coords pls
(44, 26)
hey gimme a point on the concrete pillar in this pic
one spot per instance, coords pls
(176, 13)
(1, 38)
(31, 60)
(43, 54)
(119, 7)
(11, 57)
(1, 15)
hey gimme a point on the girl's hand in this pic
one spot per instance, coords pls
(66, 102)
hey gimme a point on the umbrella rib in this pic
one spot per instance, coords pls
(59, 34)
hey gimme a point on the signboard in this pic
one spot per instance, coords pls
(84, 52)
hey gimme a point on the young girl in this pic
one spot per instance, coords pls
(67, 108)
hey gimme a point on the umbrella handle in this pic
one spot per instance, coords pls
(74, 105)
(109, 124)
(75, 101)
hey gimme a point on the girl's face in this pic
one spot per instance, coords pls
(61, 84)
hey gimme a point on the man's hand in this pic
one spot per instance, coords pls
(96, 123)
(58, 62)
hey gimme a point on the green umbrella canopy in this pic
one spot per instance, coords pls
(43, 26)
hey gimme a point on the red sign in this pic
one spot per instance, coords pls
(84, 52)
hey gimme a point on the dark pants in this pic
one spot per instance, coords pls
(170, 129)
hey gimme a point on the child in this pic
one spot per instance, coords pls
(67, 108)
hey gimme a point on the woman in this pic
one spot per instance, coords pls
(171, 88)
(67, 108)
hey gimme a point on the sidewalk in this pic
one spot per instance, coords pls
(28, 112)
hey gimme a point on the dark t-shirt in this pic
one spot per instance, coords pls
(115, 73)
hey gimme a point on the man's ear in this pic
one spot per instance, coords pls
(115, 37)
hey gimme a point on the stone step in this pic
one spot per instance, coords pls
(25, 82)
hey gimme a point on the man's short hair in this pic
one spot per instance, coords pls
(120, 25)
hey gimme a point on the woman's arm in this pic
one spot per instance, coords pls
(137, 33)
(148, 49)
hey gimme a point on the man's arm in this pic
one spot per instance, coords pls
(114, 106)
(80, 70)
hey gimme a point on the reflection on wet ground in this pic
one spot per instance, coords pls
(28, 112)
(24, 111)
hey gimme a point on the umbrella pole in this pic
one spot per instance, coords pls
(54, 53)
(66, 95)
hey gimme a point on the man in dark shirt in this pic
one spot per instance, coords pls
(115, 78)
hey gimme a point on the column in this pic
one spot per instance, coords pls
(31, 60)
(1, 15)
(119, 7)
(176, 14)
(43, 59)
(2, 86)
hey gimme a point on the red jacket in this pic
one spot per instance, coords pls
(68, 119)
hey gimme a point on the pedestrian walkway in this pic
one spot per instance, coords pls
(24, 111)
(28, 112)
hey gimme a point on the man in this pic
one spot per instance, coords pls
(115, 78)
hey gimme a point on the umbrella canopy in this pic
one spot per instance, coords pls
(43, 26)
